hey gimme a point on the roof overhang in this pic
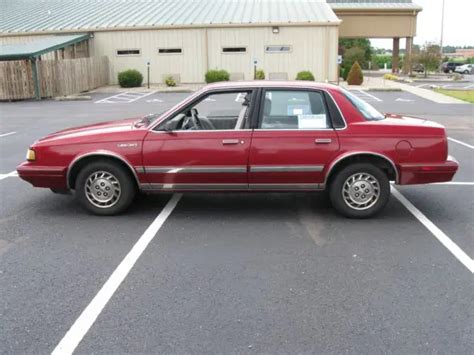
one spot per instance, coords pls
(34, 49)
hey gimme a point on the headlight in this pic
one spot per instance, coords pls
(30, 155)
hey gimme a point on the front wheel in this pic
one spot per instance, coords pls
(360, 190)
(104, 188)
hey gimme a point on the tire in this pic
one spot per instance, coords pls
(346, 198)
(109, 180)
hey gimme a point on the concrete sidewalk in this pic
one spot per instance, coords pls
(379, 83)
(153, 88)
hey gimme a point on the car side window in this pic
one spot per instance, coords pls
(218, 111)
(294, 109)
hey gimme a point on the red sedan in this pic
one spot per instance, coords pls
(246, 136)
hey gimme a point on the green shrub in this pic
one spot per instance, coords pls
(130, 78)
(169, 81)
(341, 72)
(213, 76)
(389, 76)
(260, 74)
(355, 76)
(305, 75)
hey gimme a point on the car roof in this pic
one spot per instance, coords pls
(270, 84)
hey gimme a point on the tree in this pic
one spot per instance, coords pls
(351, 56)
(429, 57)
(362, 43)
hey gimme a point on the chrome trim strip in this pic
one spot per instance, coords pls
(286, 168)
(286, 187)
(194, 169)
(205, 131)
(100, 153)
(193, 187)
(228, 187)
(140, 169)
(351, 154)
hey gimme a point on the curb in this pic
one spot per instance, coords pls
(385, 89)
(72, 98)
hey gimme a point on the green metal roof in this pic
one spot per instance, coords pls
(39, 47)
(20, 16)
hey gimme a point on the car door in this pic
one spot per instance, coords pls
(205, 146)
(293, 141)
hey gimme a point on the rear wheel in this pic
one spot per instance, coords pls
(104, 188)
(360, 190)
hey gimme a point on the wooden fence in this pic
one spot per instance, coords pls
(56, 77)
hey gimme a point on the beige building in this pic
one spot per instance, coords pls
(185, 38)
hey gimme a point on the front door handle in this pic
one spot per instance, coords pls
(323, 141)
(230, 141)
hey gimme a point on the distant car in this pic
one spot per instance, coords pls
(246, 136)
(418, 68)
(450, 67)
(465, 69)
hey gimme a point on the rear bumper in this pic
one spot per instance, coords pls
(411, 174)
(43, 176)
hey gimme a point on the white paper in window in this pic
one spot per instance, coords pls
(312, 121)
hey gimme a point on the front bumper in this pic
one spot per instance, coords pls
(53, 177)
(411, 174)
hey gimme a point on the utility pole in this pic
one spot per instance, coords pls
(442, 30)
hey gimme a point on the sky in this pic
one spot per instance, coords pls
(458, 24)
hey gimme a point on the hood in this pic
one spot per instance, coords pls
(93, 129)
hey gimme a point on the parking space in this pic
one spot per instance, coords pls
(232, 273)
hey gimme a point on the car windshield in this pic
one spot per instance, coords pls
(368, 111)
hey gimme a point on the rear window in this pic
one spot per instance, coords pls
(368, 111)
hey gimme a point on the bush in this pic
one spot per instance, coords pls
(130, 78)
(390, 77)
(305, 75)
(169, 81)
(342, 72)
(213, 76)
(355, 76)
(260, 74)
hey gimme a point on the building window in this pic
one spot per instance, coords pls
(234, 50)
(170, 50)
(124, 52)
(277, 49)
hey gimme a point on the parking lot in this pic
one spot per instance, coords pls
(233, 273)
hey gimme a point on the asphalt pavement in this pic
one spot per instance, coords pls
(234, 273)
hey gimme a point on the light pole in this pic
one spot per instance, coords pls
(442, 30)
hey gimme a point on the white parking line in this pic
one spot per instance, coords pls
(125, 97)
(369, 95)
(461, 143)
(87, 318)
(438, 233)
(7, 134)
(10, 174)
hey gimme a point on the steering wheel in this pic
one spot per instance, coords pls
(192, 122)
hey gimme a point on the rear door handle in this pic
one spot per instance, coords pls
(322, 141)
(230, 141)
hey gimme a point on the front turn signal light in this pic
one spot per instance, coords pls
(30, 155)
